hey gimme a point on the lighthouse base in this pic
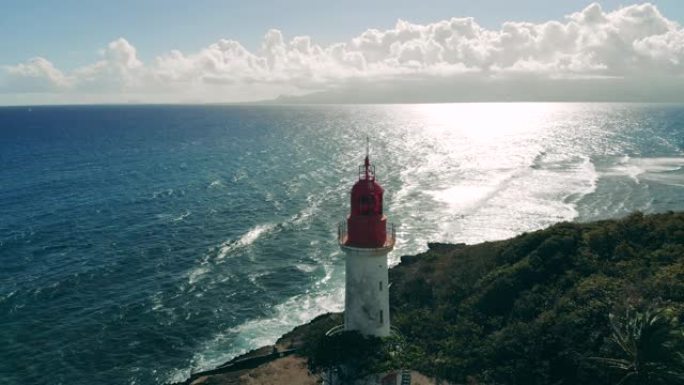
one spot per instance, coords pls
(366, 301)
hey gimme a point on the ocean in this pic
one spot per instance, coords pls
(140, 243)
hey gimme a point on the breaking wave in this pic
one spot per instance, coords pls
(245, 240)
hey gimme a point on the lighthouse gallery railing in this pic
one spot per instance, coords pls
(390, 229)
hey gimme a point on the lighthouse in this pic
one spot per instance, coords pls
(366, 241)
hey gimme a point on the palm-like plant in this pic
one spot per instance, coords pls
(652, 342)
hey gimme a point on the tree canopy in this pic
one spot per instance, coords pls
(536, 309)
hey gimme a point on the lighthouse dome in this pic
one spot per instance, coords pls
(366, 198)
(366, 224)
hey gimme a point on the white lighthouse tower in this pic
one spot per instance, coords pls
(366, 241)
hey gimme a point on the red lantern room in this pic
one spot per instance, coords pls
(366, 224)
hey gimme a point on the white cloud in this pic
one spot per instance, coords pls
(37, 74)
(630, 43)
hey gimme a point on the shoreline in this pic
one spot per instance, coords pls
(487, 311)
(238, 369)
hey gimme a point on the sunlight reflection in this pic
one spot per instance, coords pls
(493, 169)
(485, 121)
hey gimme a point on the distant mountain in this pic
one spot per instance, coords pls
(474, 89)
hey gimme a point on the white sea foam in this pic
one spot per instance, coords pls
(499, 203)
(624, 167)
(468, 197)
(245, 240)
(239, 175)
(7, 296)
(254, 278)
(630, 183)
(270, 197)
(307, 212)
(197, 273)
(583, 181)
(182, 216)
(661, 170)
(556, 189)
(325, 296)
(306, 268)
(656, 169)
(216, 184)
(157, 303)
(229, 247)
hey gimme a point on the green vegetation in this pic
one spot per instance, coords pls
(652, 346)
(536, 309)
(350, 356)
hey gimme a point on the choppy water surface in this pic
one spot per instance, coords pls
(140, 243)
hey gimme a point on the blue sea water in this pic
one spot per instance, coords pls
(140, 243)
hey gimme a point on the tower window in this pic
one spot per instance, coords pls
(367, 204)
(380, 285)
(382, 321)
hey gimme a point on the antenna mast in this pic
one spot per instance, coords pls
(367, 146)
(366, 163)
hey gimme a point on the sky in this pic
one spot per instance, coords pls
(210, 51)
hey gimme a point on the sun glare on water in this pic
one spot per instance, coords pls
(486, 167)
(483, 122)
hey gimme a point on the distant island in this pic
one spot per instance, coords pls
(440, 90)
(576, 303)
